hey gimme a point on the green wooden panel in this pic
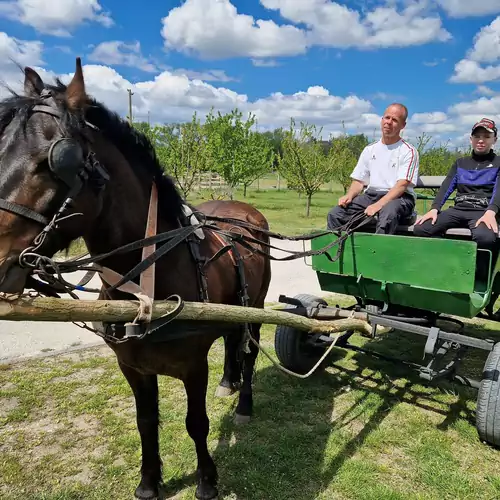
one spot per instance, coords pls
(439, 301)
(429, 263)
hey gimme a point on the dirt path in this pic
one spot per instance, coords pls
(25, 339)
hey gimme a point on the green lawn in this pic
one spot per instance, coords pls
(361, 430)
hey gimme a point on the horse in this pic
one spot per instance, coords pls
(60, 147)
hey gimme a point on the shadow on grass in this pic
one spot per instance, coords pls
(302, 431)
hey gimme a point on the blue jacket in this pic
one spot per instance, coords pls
(476, 179)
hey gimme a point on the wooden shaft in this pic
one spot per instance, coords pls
(54, 309)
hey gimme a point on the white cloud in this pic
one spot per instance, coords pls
(15, 53)
(467, 8)
(486, 49)
(335, 25)
(484, 90)
(210, 75)
(486, 43)
(434, 62)
(57, 17)
(316, 105)
(434, 118)
(121, 53)
(214, 28)
(467, 71)
(265, 63)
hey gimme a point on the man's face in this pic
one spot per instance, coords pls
(482, 140)
(393, 121)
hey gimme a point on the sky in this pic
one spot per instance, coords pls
(335, 64)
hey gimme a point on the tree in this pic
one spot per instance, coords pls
(344, 154)
(303, 163)
(182, 150)
(257, 159)
(234, 151)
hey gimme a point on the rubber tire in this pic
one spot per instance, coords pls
(287, 342)
(488, 401)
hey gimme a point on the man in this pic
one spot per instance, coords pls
(477, 202)
(389, 167)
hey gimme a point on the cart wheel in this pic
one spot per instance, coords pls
(488, 400)
(290, 343)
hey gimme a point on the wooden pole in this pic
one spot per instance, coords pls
(53, 309)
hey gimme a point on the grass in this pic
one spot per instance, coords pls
(362, 429)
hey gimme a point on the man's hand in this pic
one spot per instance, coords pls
(372, 209)
(490, 220)
(431, 214)
(345, 200)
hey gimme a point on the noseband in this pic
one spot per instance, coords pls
(69, 164)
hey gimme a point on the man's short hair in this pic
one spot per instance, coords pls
(403, 107)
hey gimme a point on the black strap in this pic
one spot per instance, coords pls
(23, 211)
(157, 254)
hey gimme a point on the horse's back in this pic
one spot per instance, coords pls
(234, 209)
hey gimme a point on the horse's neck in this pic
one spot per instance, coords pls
(124, 216)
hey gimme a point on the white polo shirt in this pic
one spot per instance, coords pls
(380, 166)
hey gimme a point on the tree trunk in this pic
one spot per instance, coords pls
(53, 309)
(245, 190)
(308, 204)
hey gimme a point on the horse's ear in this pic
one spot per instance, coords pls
(33, 84)
(75, 92)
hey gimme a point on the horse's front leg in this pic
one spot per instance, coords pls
(197, 425)
(145, 389)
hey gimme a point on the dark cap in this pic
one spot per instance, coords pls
(487, 124)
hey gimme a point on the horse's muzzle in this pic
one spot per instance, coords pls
(12, 276)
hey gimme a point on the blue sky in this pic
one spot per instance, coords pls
(319, 61)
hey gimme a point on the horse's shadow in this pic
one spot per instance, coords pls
(290, 448)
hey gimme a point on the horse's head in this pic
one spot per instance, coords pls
(50, 181)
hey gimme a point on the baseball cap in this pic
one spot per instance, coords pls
(487, 124)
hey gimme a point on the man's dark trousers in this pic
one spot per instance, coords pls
(388, 217)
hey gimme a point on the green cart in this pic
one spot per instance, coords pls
(414, 285)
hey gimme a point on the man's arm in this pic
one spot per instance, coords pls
(355, 188)
(396, 192)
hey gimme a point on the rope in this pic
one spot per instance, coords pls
(289, 372)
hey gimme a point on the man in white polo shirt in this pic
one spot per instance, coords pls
(389, 170)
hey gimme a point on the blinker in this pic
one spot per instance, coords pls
(66, 160)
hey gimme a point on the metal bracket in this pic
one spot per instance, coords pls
(430, 345)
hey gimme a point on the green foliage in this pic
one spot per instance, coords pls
(344, 154)
(237, 153)
(304, 164)
(183, 152)
(435, 160)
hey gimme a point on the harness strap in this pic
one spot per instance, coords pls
(23, 211)
(147, 280)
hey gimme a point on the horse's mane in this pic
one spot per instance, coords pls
(133, 144)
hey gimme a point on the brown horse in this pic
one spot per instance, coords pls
(39, 174)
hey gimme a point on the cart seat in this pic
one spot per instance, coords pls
(460, 231)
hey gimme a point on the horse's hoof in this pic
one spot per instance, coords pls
(146, 494)
(224, 392)
(206, 492)
(241, 419)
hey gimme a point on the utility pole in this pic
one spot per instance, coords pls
(149, 118)
(130, 94)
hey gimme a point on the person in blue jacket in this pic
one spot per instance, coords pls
(476, 180)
